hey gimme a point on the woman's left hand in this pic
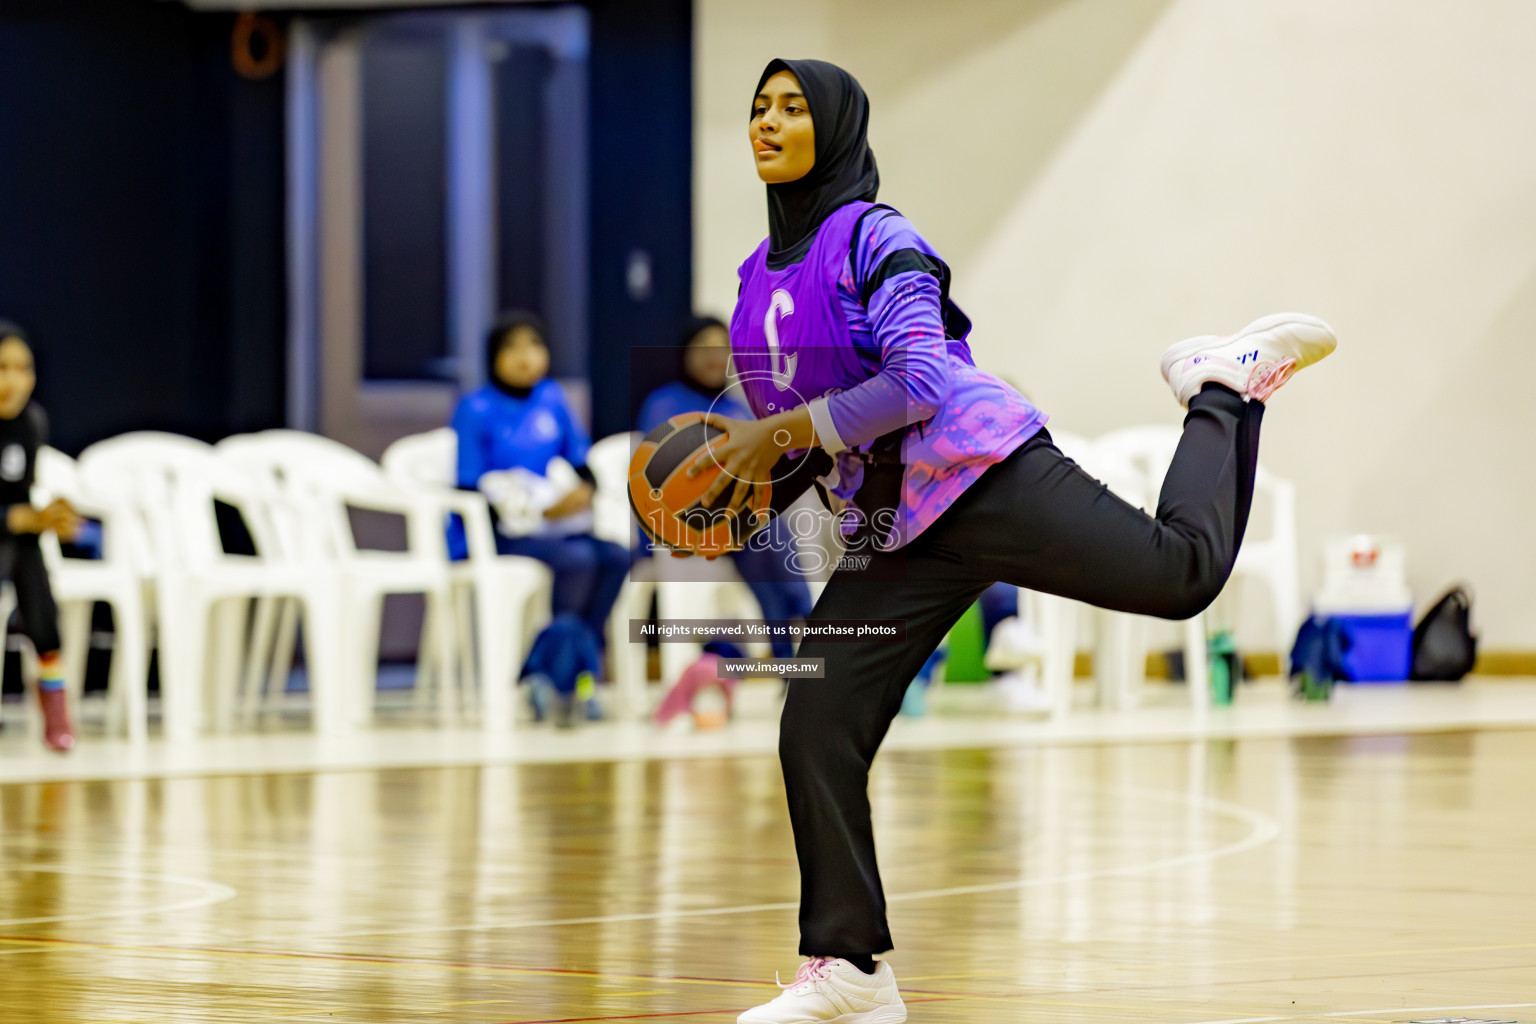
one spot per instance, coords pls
(747, 455)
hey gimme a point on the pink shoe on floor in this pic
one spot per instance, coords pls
(696, 678)
(58, 732)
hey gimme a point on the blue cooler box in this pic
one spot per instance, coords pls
(1381, 649)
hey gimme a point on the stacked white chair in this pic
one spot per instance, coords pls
(172, 482)
(500, 602)
(319, 480)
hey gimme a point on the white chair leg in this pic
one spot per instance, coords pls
(1122, 648)
(426, 660)
(1197, 674)
(440, 618)
(128, 682)
(677, 600)
(183, 650)
(366, 616)
(227, 654)
(1058, 628)
(628, 659)
(327, 650)
(258, 657)
(75, 647)
(463, 600)
(497, 648)
(276, 687)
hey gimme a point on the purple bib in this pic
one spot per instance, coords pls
(789, 336)
(792, 343)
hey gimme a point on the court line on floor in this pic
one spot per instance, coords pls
(915, 996)
(1263, 829)
(1366, 1013)
(369, 959)
(1428, 1009)
(1286, 958)
(212, 893)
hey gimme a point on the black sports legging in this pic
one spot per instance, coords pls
(1035, 520)
(21, 561)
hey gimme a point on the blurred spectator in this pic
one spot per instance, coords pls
(23, 430)
(520, 445)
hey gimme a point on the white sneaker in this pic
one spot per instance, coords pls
(833, 992)
(1254, 362)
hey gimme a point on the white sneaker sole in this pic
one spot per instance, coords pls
(884, 1015)
(1312, 339)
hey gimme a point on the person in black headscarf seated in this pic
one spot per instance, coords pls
(521, 446)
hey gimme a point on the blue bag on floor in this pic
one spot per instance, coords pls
(564, 650)
(1318, 656)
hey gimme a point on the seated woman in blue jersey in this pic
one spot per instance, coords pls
(700, 387)
(521, 421)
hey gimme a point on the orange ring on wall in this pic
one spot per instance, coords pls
(249, 27)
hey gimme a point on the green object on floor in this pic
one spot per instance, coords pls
(1220, 653)
(967, 649)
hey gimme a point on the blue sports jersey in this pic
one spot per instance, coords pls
(497, 431)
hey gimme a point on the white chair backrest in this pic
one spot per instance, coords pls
(172, 482)
(1105, 464)
(58, 476)
(429, 459)
(1147, 451)
(608, 459)
(303, 477)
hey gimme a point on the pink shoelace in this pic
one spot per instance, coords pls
(1267, 378)
(816, 969)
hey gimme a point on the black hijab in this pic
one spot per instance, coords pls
(845, 168)
(499, 337)
(695, 326)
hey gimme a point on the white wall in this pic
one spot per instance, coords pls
(1108, 176)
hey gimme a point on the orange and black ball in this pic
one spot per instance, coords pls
(666, 500)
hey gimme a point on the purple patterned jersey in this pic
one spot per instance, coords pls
(876, 365)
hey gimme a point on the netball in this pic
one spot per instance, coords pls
(666, 499)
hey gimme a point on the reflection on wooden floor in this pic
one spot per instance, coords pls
(1376, 877)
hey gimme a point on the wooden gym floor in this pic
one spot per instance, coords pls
(1384, 878)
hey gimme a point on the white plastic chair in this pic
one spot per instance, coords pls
(1150, 449)
(318, 481)
(117, 578)
(173, 482)
(1055, 620)
(504, 597)
(1274, 560)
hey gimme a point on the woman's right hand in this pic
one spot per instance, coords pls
(23, 518)
(62, 519)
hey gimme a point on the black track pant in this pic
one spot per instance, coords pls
(1035, 520)
(21, 561)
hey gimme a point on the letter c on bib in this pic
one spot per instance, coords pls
(781, 366)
